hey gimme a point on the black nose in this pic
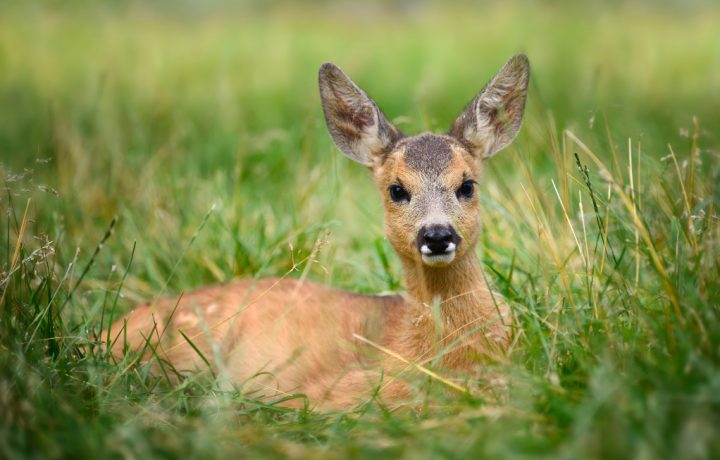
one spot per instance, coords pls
(436, 239)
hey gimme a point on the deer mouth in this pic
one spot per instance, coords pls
(435, 258)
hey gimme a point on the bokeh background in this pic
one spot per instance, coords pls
(194, 130)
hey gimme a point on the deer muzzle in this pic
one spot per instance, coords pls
(437, 244)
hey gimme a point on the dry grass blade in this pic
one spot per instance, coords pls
(419, 367)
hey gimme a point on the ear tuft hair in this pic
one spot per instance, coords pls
(493, 118)
(356, 124)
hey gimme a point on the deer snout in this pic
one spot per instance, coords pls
(437, 244)
(437, 241)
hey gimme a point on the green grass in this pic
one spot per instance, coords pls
(200, 131)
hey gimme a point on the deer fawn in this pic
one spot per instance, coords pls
(282, 336)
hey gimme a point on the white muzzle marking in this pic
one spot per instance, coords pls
(434, 260)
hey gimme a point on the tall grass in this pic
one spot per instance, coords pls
(144, 153)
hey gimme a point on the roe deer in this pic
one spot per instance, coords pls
(282, 336)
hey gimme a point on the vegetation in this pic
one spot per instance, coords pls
(153, 150)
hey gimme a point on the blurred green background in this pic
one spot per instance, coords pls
(197, 124)
(163, 109)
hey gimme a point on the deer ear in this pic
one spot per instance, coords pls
(492, 120)
(358, 127)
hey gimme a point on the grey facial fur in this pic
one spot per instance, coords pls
(428, 153)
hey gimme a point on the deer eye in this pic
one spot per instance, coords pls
(466, 190)
(398, 194)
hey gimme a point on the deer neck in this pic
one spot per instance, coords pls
(459, 286)
(449, 305)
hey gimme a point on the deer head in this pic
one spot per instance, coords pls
(428, 182)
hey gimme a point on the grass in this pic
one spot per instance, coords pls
(153, 150)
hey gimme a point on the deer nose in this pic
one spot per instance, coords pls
(437, 240)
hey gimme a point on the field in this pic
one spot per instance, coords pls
(150, 150)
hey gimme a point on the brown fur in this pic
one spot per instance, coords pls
(280, 336)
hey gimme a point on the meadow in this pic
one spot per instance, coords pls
(147, 150)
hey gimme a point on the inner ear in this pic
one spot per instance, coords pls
(493, 118)
(358, 127)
